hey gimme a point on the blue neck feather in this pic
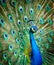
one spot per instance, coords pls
(36, 58)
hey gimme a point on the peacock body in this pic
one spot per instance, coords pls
(16, 19)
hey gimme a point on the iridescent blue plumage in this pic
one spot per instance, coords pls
(36, 58)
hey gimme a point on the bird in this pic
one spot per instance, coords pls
(26, 32)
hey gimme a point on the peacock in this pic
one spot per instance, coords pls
(26, 32)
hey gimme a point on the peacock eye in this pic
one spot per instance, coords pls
(13, 3)
(47, 45)
(5, 36)
(50, 21)
(17, 40)
(25, 18)
(19, 22)
(39, 39)
(13, 32)
(15, 53)
(39, 7)
(51, 33)
(4, 56)
(10, 47)
(48, 7)
(20, 9)
(10, 62)
(41, 21)
(20, 34)
(41, 31)
(1, 22)
(10, 18)
(31, 11)
(3, 2)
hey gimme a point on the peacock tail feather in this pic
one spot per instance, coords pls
(16, 18)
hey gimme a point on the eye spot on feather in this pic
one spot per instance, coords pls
(10, 47)
(20, 9)
(19, 22)
(5, 35)
(21, 35)
(48, 8)
(50, 21)
(13, 32)
(3, 2)
(13, 3)
(31, 11)
(5, 56)
(41, 31)
(51, 33)
(17, 40)
(39, 39)
(47, 45)
(39, 7)
(1, 22)
(41, 21)
(25, 18)
(15, 53)
(10, 62)
(10, 18)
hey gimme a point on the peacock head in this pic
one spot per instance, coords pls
(33, 29)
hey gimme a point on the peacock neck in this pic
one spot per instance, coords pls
(33, 41)
(36, 58)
